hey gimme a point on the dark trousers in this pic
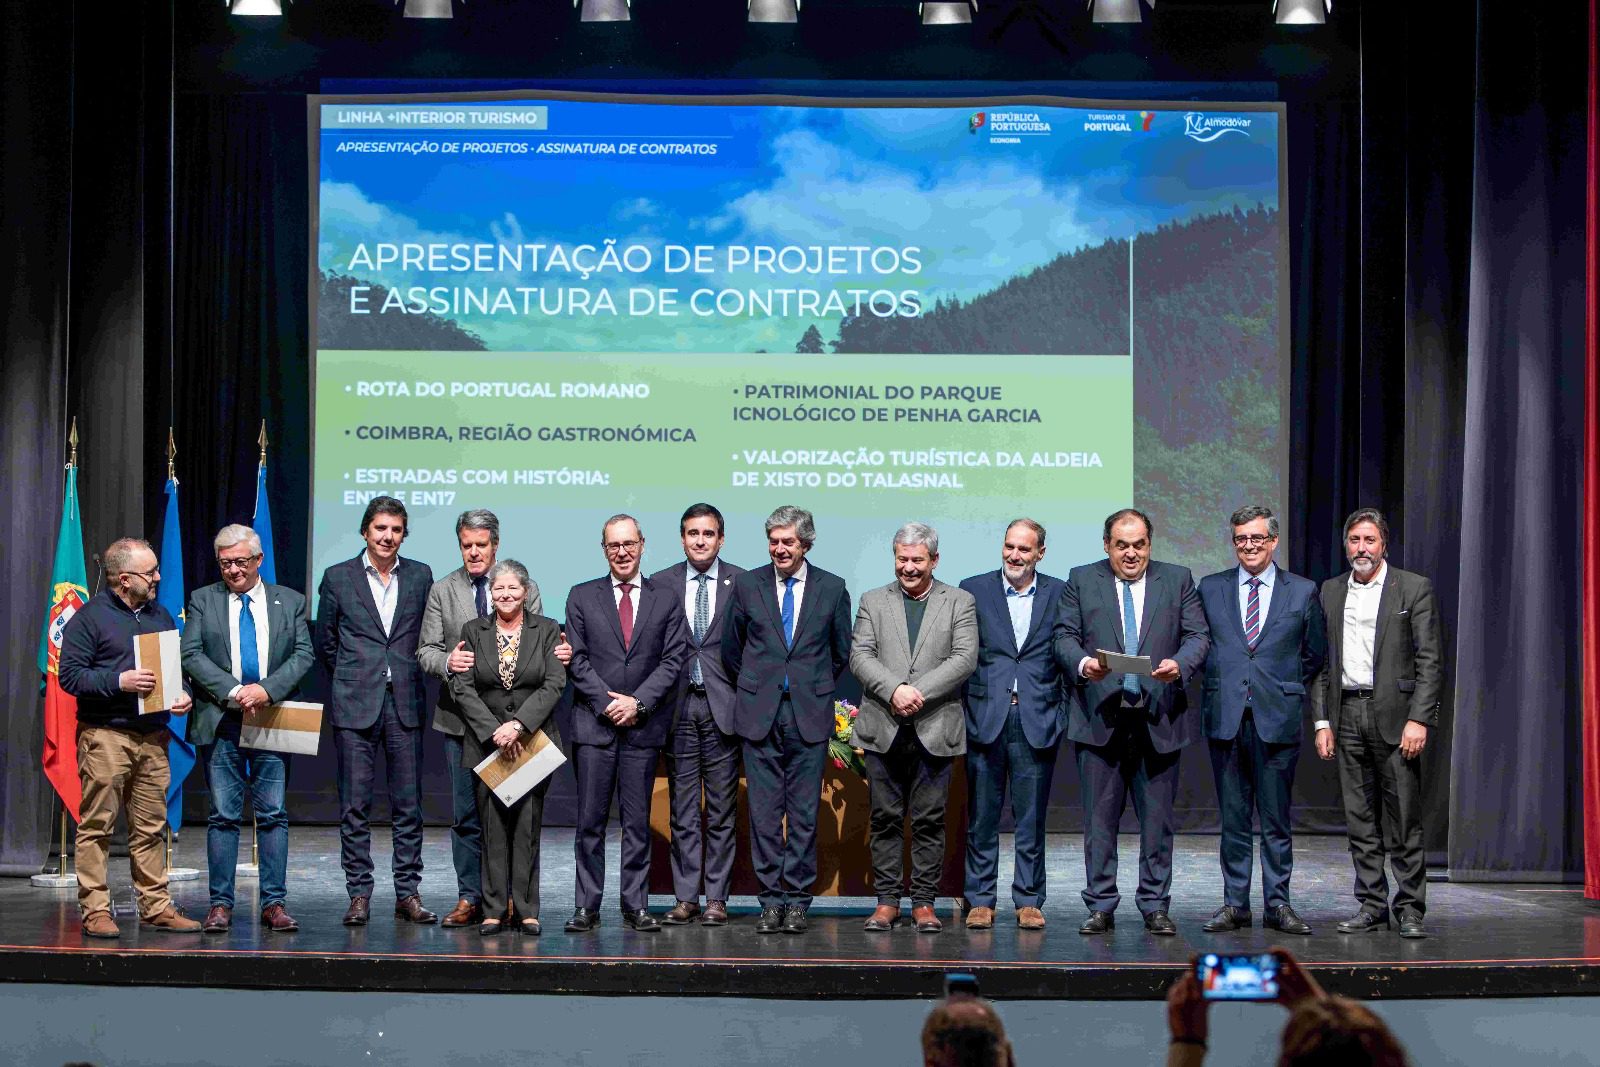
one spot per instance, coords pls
(1110, 774)
(1382, 812)
(510, 849)
(783, 777)
(357, 752)
(1254, 778)
(231, 772)
(629, 772)
(466, 831)
(1009, 765)
(907, 780)
(703, 770)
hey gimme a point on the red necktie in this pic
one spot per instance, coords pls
(625, 614)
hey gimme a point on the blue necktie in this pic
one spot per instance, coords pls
(1130, 640)
(249, 656)
(788, 621)
(480, 594)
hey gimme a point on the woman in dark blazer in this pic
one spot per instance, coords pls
(507, 696)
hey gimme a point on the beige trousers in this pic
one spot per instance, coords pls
(121, 769)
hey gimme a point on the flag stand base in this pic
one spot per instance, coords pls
(182, 874)
(248, 870)
(54, 881)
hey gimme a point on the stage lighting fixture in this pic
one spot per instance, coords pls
(1301, 12)
(256, 7)
(947, 13)
(428, 9)
(774, 10)
(602, 10)
(1109, 11)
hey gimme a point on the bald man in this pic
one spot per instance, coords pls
(965, 1031)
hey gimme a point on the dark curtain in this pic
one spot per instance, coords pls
(1591, 481)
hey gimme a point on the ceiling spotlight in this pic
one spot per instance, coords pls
(774, 10)
(1301, 12)
(1118, 10)
(602, 10)
(428, 9)
(256, 7)
(946, 12)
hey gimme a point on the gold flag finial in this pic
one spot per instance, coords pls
(172, 454)
(262, 441)
(72, 440)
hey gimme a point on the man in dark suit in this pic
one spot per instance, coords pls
(786, 643)
(1015, 712)
(1268, 641)
(369, 614)
(703, 753)
(246, 645)
(629, 642)
(1374, 703)
(1128, 730)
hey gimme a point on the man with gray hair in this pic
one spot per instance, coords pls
(246, 645)
(915, 643)
(786, 643)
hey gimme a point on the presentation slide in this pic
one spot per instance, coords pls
(564, 306)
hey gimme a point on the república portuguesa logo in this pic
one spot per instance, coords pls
(975, 123)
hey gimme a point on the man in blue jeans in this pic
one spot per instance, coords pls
(245, 645)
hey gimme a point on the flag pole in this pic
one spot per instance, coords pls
(174, 874)
(64, 878)
(253, 868)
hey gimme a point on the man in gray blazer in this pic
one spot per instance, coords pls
(456, 599)
(1374, 704)
(245, 645)
(915, 643)
(703, 751)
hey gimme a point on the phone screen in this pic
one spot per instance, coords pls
(961, 983)
(1243, 977)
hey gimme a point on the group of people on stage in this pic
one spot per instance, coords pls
(720, 669)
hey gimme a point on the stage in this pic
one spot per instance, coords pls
(1486, 940)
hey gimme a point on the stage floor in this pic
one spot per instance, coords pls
(1494, 940)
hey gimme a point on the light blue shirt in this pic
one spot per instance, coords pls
(1020, 605)
(1268, 578)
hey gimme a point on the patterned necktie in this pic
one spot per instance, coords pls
(1130, 640)
(1252, 613)
(625, 614)
(249, 654)
(702, 619)
(480, 594)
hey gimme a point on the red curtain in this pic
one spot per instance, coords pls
(1591, 484)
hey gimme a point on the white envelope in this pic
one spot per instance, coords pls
(158, 652)
(289, 726)
(510, 780)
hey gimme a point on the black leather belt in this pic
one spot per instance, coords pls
(1356, 694)
(697, 689)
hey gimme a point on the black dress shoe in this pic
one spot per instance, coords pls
(794, 920)
(1283, 918)
(642, 921)
(358, 912)
(771, 920)
(1229, 918)
(1364, 922)
(583, 920)
(1098, 922)
(1411, 927)
(1160, 924)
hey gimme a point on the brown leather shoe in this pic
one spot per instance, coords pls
(411, 910)
(927, 922)
(882, 919)
(359, 911)
(683, 912)
(1030, 918)
(276, 917)
(980, 918)
(99, 924)
(465, 913)
(716, 913)
(171, 920)
(218, 919)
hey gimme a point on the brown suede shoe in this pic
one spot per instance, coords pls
(411, 910)
(683, 912)
(99, 924)
(1030, 918)
(927, 922)
(465, 913)
(172, 921)
(276, 917)
(716, 913)
(882, 919)
(980, 918)
(218, 919)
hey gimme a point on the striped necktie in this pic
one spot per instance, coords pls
(1252, 613)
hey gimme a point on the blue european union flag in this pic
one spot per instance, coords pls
(170, 595)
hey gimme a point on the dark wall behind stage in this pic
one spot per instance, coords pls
(1436, 183)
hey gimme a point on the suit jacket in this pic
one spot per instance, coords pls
(451, 605)
(1174, 627)
(1041, 689)
(484, 704)
(757, 661)
(882, 659)
(1407, 654)
(356, 652)
(1291, 649)
(719, 688)
(647, 669)
(207, 651)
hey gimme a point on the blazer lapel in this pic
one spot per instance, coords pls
(808, 605)
(724, 591)
(278, 640)
(611, 608)
(364, 589)
(1035, 613)
(769, 595)
(650, 602)
(1386, 601)
(937, 602)
(1154, 592)
(524, 651)
(898, 636)
(1273, 606)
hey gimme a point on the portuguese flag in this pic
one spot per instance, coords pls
(69, 589)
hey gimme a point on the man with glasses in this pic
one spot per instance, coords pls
(122, 754)
(1268, 641)
(245, 645)
(629, 641)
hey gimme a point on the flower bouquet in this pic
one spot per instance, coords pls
(840, 751)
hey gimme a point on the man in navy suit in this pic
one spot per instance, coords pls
(1016, 713)
(369, 616)
(786, 643)
(629, 642)
(1129, 730)
(1268, 641)
(703, 754)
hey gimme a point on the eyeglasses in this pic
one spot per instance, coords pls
(616, 548)
(149, 576)
(242, 563)
(1251, 540)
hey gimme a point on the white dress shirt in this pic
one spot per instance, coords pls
(1020, 605)
(693, 588)
(633, 593)
(1269, 578)
(1137, 586)
(385, 594)
(1361, 629)
(258, 612)
(799, 591)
